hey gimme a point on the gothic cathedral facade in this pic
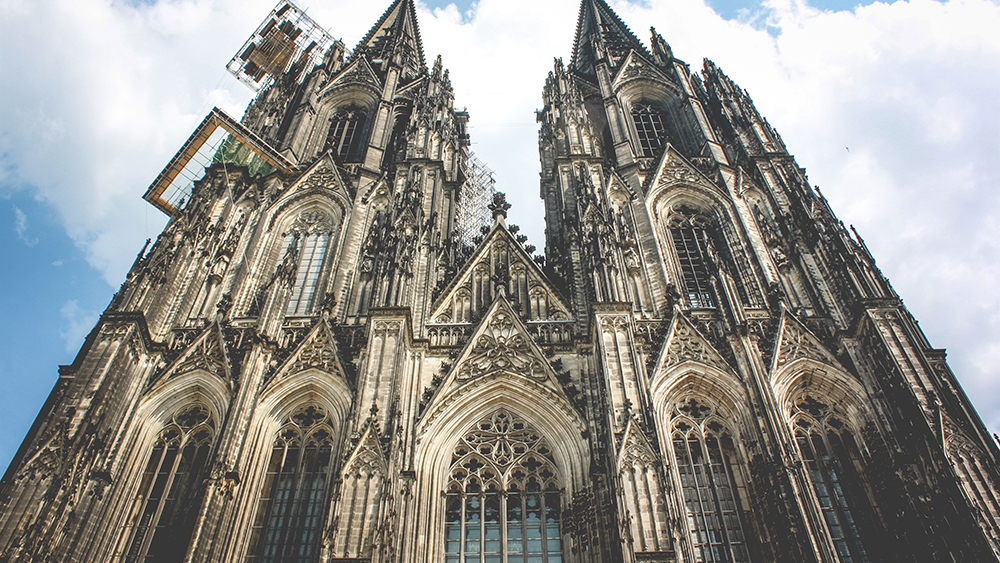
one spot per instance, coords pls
(312, 365)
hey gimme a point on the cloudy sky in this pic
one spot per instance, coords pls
(893, 109)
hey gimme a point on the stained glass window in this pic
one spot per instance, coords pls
(691, 245)
(170, 488)
(650, 128)
(503, 501)
(705, 452)
(827, 461)
(346, 130)
(304, 251)
(291, 506)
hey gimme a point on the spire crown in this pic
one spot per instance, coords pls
(395, 38)
(602, 35)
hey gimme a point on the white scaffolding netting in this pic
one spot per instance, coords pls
(476, 195)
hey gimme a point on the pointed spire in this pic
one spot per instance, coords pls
(601, 34)
(661, 50)
(395, 38)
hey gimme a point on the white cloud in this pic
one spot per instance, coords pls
(78, 323)
(21, 227)
(100, 95)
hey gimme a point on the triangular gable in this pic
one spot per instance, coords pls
(673, 169)
(317, 350)
(322, 177)
(795, 341)
(598, 22)
(444, 306)
(206, 353)
(635, 447)
(686, 344)
(501, 343)
(410, 90)
(619, 191)
(358, 72)
(367, 455)
(635, 67)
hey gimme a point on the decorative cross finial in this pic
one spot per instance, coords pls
(499, 206)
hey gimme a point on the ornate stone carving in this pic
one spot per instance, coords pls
(205, 355)
(502, 450)
(797, 343)
(385, 327)
(322, 177)
(636, 450)
(367, 458)
(687, 344)
(502, 347)
(317, 352)
(614, 323)
(674, 170)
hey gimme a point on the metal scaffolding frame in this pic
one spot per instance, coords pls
(474, 199)
(286, 36)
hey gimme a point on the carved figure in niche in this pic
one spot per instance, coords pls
(289, 262)
(780, 259)
(631, 260)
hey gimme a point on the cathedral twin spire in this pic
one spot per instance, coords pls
(395, 38)
(601, 36)
(311, 364)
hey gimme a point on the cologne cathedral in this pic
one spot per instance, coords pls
(338, 350)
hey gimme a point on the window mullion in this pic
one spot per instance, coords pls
(717, 497)
(502, 496)
(524, 526)
(703, 488)
(158, 512)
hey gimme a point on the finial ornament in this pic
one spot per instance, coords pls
(499, 206)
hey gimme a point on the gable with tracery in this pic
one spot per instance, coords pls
(500, 266)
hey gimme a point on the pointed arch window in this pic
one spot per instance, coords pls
(503, 502)
(691, 244)
(346, 131)
(170, 488)
(294, 495)
(705, 455)
(650, 128)
(304, 252)
(828, 452)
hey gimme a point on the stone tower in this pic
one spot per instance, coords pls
(311, 364)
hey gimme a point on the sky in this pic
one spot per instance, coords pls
(892, 108)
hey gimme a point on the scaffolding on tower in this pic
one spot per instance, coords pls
(287, 36)
(476, 195)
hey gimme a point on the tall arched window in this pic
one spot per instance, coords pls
(828, 453)
(705, 456)
(650, 127)
(691, 244)
(169, 491)
(304, 253)
(294, 496)
(346, 132)
(503, 501)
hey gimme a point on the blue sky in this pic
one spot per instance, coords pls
(728, 9)
(51, 299)
(910, 87)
